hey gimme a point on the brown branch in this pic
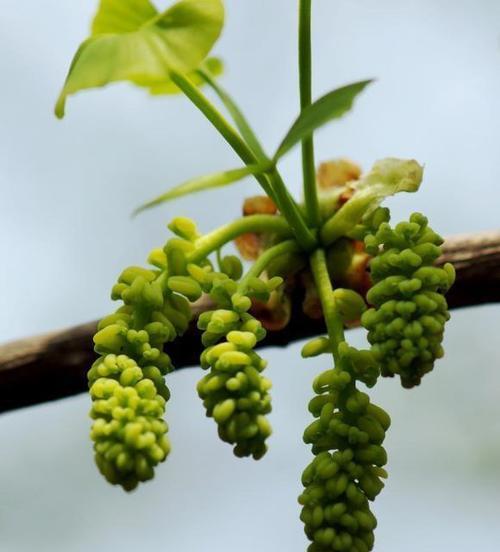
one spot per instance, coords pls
(54, 365)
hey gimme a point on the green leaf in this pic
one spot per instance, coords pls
(202, 183)
(131, 41)
(213, 66)
(387, 177)
(331, 106)
(122, 16)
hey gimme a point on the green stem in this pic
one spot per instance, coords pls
(289, 246)
(218, 254)
(333, 321)
(305, 79)
(277, 189)
(347, 217)
(271, 224)
(219, 122)
(305, 237)
(284, 200)
(242, 124)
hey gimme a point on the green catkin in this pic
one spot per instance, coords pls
(234, 391)
(346, 473)
(406, 324)
(126, 382)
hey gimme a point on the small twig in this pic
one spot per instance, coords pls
(53, 366)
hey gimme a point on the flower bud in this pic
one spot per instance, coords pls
(316, 347)
(184, 228)
(349, 304)
(232, 267)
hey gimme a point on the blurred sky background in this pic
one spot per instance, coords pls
(67, 189)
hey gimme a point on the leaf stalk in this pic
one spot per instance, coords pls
(305, 80)
(269, 224)
(324, 286)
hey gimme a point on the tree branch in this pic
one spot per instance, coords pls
(53, 366)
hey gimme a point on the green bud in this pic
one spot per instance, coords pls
(232, 267)
(121, 319)
(232, 360)
(110, 339)
(199, 274)
(184, 227)
(451, 273)
(223, 411)
(245, 340)
(133, 294)
(186, 286)
(349, 304)
(152, 295)
(158, 258)
(274, 283)
(241, 303)
(130, 274)
(254, 326)
(258, 289)
(316, 347)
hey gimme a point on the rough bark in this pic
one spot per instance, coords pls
(53, 366)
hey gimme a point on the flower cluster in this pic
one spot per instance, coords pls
(347, 472)
(127, 381)
(129, 432)
(234, 392)
(406, 324)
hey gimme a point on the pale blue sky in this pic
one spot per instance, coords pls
(68, 188)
